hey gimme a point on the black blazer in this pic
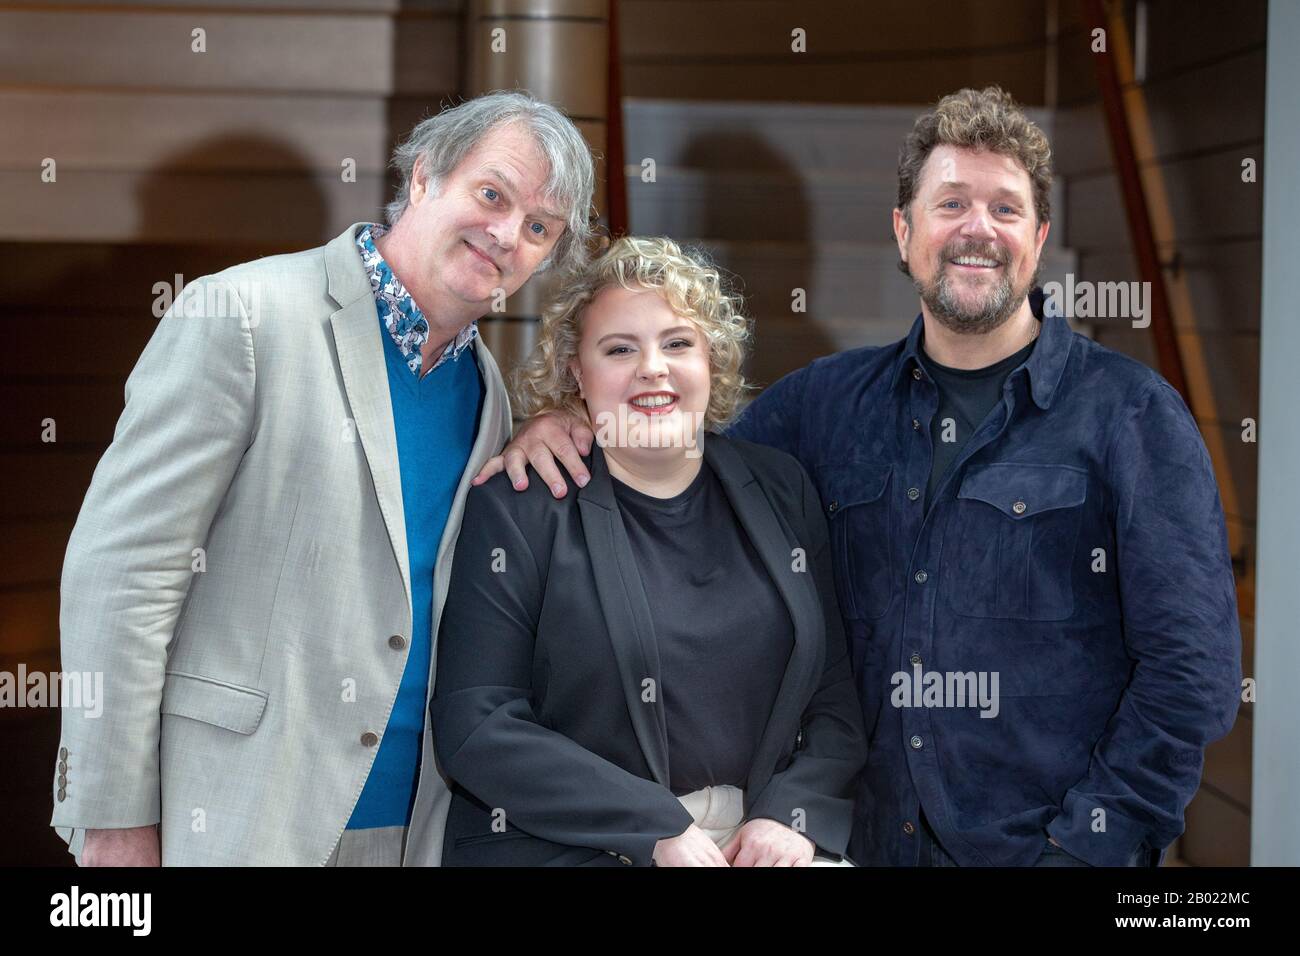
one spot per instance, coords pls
(539, 715)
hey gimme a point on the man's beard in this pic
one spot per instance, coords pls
(997, 305)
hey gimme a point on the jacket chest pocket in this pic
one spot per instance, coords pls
(1008, 550)
(857, 511)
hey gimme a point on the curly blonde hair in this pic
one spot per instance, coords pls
(689, 283)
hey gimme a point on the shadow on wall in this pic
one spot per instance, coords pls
(764, 202)
(76, 321)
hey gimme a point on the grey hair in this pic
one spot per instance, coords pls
(447, 138)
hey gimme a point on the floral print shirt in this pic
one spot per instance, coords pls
(398, 311)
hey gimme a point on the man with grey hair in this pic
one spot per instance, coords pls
(261, 561)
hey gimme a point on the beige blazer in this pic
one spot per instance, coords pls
(237, 571)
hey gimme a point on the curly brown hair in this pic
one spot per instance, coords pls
(978, 119)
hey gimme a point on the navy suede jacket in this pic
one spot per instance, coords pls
(1049, 647)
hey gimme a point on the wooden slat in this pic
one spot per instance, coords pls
(1182, 35)
(1218, 832)
(343, 53)
(1227, 762)
(254, 6)
(1202, 197)
(749, 28)
(745, 135)
(81, 278)
(1187, 114)
(262, 207)
(107, 346)
(772, 205)
(45, 483)
(923, 79)
(1076, 77)
(33, 551)
(29, 622)
(137, 130)
(1220, 279)
(29, 626)
(1224, 377)
(83, 413)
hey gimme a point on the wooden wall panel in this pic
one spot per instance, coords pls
(866, 80)
(1222, 280)
(129, 130)
(884, 52)
(33, 552)
(245, 50)
(168, 161)
(1207, 201)
(1186, 111)
(1227, 762)
(699, 29)
(47, 483)
(1218, 831)
(1198, 112)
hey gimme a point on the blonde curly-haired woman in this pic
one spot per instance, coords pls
(650, 670)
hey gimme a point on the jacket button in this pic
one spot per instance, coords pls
(916, 374)
(916, 424)
(916, 660)
(62, 794)
(63, 753)
(917, 743)
(369, 739)
(397, 642)
(920, 577)
(1018, 507)
(63, 766)
(908, 828)
(833, 507)
(913, 493)
(63, 781)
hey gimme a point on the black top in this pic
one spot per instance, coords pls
(720, 659)
(540, 716)
(966, 396)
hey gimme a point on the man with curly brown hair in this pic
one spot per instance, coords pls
(1030, 551)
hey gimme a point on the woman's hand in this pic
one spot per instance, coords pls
(692, 848)
(763, 842)
(539, 442)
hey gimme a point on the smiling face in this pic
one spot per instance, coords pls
(642, 364)
(488, 226)
(973, 245)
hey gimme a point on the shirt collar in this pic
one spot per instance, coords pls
(1044, 366)
(398, 313)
